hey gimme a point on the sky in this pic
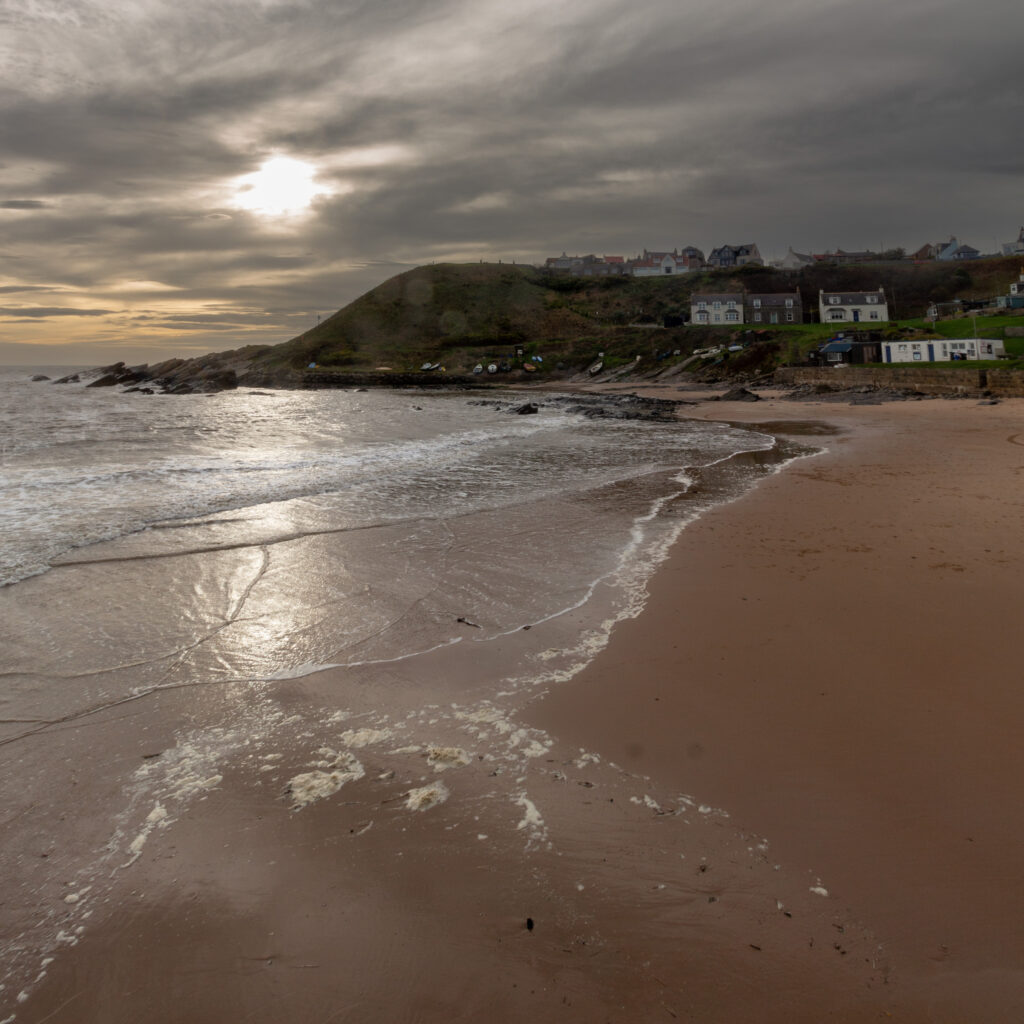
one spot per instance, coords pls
(186, 176)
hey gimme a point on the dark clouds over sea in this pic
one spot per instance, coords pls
(468, 130)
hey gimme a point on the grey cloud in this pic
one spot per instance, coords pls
(46, 312)
(818, 124)
(23, 204)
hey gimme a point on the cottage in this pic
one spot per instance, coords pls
(716, 308)
(853, 307)
(774, 308)
(935, 350)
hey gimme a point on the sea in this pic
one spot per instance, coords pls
(225, 585)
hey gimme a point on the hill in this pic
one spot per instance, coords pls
(459, 315)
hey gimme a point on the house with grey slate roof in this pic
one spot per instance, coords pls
(954, 250)
(774, 308)
(853, 307)
(735, 256)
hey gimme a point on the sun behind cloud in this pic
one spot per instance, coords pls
(283, 186)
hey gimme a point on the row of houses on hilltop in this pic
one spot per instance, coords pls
(652, 263)
(734, 308)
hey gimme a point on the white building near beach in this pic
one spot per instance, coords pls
(941, 350)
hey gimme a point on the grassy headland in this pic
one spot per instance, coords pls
(459, 315)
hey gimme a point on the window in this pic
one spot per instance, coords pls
(872, 298)
(873, 314)
(716, 304)
(757, 318)
(775, 318)
(836, 314)
(789, 303)
(835, 357)
(732, 304)
(702, 305)
(718, 318)
(789, 318)
(917, 355)
(757, 303)
(702, 318)
(833, 300)
(732, 316)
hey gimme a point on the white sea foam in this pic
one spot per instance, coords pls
(440, 758)
(365, 737)
(309, 787)
(425, 797)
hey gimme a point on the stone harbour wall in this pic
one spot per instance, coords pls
(928, 381)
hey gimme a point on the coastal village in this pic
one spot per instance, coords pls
(858, 310)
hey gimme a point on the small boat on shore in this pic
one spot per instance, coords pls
(597, 367)
(529, 367)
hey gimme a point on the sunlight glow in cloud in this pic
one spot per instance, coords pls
(283, 186)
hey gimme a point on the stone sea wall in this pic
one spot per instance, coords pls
(928, 381)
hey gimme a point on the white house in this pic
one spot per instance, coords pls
(716, 308)
(657, 264)
(941, 350)
(853, 307)
(795, 260)
(1015, 248)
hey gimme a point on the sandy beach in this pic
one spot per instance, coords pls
(852, 625)
(787, 791)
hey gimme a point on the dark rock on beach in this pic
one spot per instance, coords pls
(39, 376)
(740, 395)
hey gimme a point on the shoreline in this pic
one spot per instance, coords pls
(710, 832)
(832, 665)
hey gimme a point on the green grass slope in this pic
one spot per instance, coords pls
(462, 314)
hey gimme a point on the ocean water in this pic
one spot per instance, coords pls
(265, 589)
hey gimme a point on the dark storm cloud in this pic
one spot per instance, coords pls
(468, 130)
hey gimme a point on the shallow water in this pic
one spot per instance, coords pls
(275, 587)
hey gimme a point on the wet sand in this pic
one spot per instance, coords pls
(835, 660)
(787, 791)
